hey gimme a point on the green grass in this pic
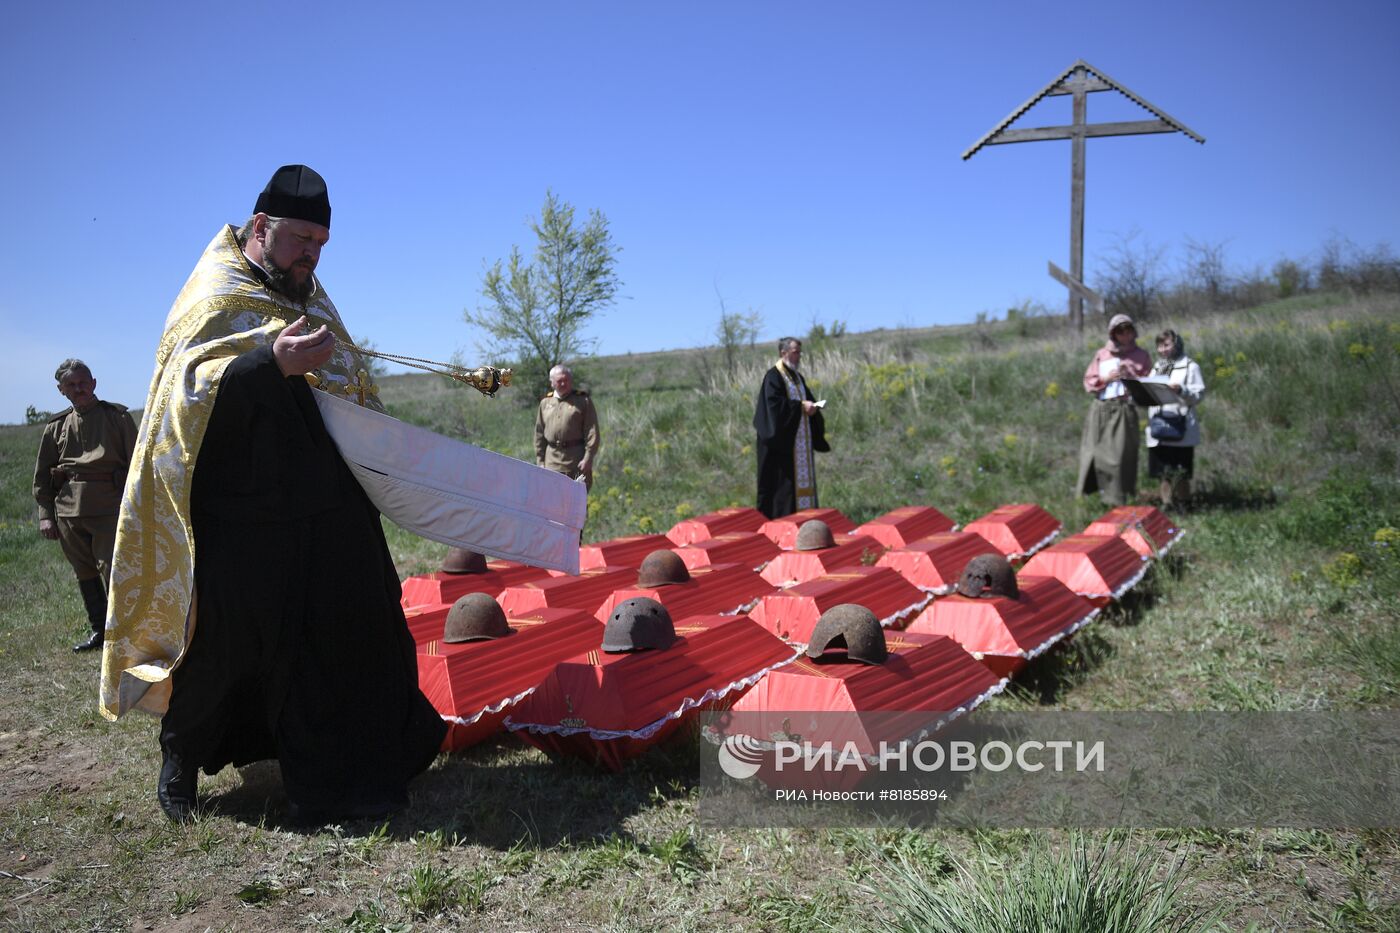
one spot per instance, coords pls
(1078, 886)
(430, 891)
(1283, 595)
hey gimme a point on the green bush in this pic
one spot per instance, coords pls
(1343, 510)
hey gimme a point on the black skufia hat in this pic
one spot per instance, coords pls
(296, 192)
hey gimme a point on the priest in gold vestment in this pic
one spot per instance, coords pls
(254, 604)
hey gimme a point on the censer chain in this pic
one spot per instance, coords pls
(486, 379)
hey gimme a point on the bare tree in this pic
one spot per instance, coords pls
(1131, 280)
(1204, 272)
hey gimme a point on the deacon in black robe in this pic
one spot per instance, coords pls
(301, 652)
(787, 439)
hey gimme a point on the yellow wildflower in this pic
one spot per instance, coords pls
(1343, 570)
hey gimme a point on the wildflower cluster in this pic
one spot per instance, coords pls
(1344, 570)
(894, 379)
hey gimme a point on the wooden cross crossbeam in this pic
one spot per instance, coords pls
(1130, 128)
(1079, 80)
(1077, 287)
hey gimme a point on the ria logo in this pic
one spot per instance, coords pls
(740, 756)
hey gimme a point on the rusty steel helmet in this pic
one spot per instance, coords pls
(474, 617)
(460, 560)
(814, 535)
(638, 624)
(662, 567)
(988, 575)
(853, 626)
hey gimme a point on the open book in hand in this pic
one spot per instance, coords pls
(1151, 390)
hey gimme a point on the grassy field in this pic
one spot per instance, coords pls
(1285, 595)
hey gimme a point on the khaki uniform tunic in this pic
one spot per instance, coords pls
(566, 430)
(78, 480)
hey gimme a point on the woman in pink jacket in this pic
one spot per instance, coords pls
(1108, 452)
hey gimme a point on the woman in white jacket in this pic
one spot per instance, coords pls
(1173, 430)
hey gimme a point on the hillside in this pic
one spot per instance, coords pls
(1285, 595)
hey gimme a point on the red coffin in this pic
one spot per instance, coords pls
(1097, 567)
(1160, 528)
(607, 708)
(425, 622)
(1133, 534)
(585, 591)
(783, 531)
(906, 525)
(936, 563)
(741, 547)
(793, 613)
(1005, 633)
(792, 567)
(723, 590)
(620, 552)
(926, 681)
(1018, 531)
(722, 522)
(474, 684)
(430, 589)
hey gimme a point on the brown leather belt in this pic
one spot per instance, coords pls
(563, 445)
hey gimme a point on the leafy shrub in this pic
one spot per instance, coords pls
(1343, 508)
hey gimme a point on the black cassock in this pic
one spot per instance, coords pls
(300, 650)
(776, 418)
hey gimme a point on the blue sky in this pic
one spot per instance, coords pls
(800, 158)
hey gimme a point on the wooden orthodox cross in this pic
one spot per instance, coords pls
(1080, 80)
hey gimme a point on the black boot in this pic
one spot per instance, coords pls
(95, 601)
(177, 786)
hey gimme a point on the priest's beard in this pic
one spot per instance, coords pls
(284, 283)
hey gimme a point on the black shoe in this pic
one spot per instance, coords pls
(176, 789)
(93, 643)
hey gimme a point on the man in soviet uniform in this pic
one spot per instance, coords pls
(566, 429)
(78, 479)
